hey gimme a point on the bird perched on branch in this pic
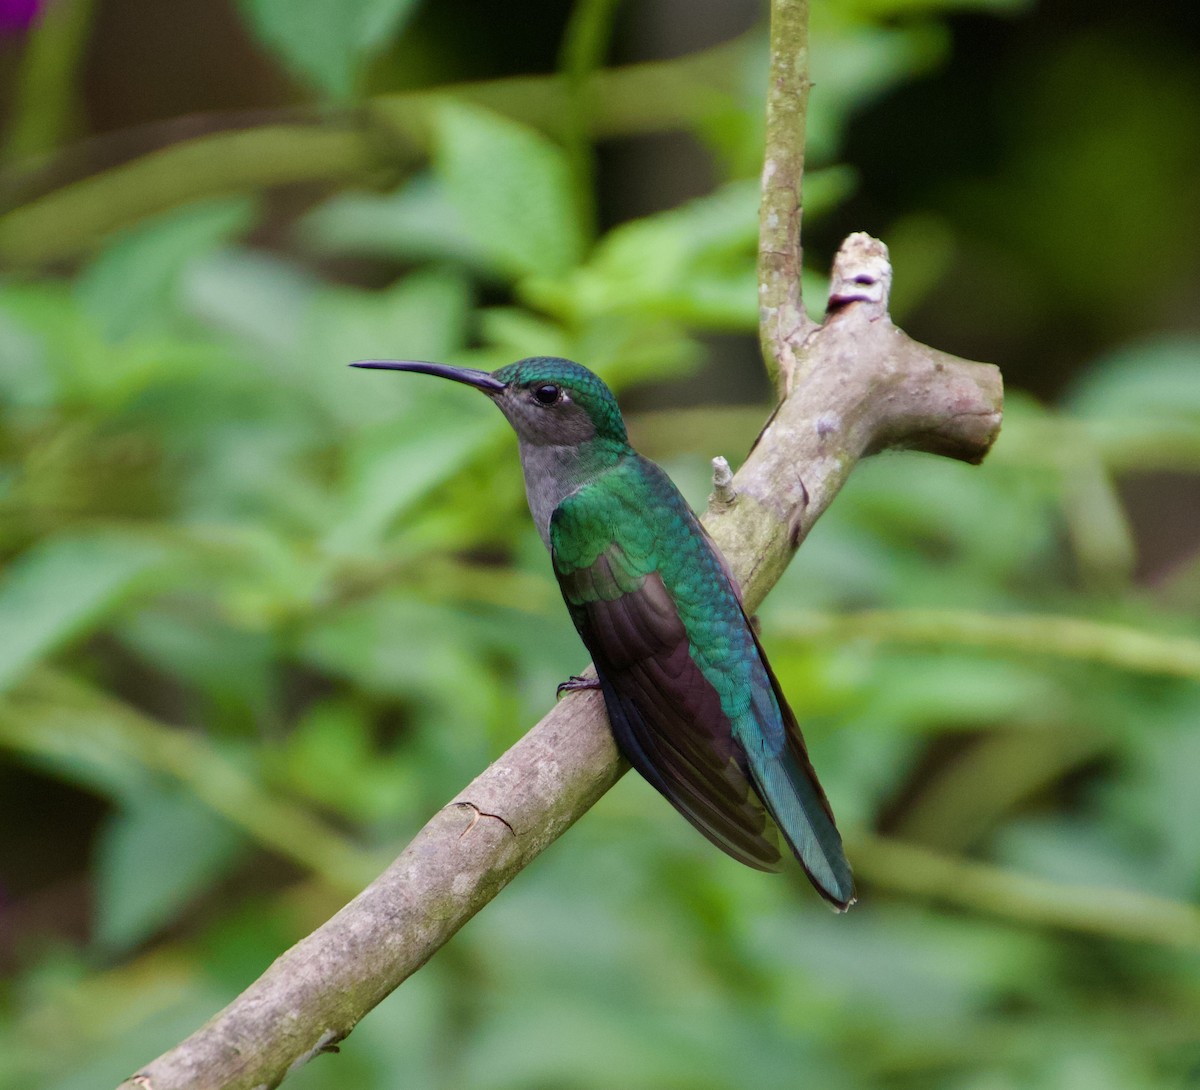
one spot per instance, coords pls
(693, 703)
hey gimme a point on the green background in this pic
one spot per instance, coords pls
(261, 615)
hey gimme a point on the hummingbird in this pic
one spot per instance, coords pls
(692, 701)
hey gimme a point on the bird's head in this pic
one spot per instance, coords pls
(549, 401)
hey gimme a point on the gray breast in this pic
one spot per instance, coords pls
(551, 475)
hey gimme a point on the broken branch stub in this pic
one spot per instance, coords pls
(857, 385)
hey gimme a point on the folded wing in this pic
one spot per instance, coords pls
(666, 716)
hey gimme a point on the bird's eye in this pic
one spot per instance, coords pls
(546, 394)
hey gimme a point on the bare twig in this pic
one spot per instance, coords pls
(723, 495)
(1128, 914)
(781, 316)
(1043, 635)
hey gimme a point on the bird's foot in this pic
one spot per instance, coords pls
(575, 683)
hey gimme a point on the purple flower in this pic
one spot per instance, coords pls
(18, 15)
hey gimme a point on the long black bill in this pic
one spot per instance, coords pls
(481, 380)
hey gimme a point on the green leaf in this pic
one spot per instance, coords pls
(423, 316)
(59, 589)
(232, 667)
(129, 287)
(512, 190)
(856, 66)
(1154, 379)
(417, 222)
(331, 758)
(327, 42)
(519, 332)
(434, 659)
(25, 380)
(693, 264)
(260, 301)
(429, 440)
(1067, 850)
(310, 332)
(152, 859)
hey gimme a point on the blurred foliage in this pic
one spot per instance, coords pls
(272, 613)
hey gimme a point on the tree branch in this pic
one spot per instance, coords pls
(854, 385)
(1040, 635)
(1129, 914)
(781, 315)
(858, 385)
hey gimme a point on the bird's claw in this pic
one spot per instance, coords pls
(575, 683)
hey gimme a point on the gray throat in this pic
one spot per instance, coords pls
(552, 473)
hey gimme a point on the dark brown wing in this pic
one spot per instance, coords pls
(666, 716)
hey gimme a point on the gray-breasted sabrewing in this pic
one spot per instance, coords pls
(691, 698)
